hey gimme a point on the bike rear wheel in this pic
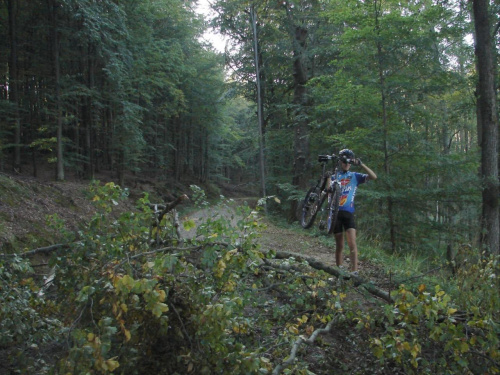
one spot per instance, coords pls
(310, 207)
(333, 208)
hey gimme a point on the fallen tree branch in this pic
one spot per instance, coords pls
(170, 206)
(282, 267)
(40, 250)
(335, 271)
(302, 340)
(164, 250)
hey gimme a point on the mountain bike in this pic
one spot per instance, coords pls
(317, 195)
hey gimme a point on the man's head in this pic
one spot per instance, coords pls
(346, 158)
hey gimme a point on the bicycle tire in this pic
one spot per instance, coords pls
(310, 207)
(333, 208)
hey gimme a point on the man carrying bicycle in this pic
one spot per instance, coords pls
(345, 219)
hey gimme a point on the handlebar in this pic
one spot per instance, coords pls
(325, 158)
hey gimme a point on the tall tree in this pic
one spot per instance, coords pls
(299, 35)
(14, 82)
(253, 17)
(487, 121)
(53, 6)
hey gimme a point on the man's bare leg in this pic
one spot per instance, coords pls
(339, 248)
(353, 247)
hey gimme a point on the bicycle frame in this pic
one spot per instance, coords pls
(316, 196)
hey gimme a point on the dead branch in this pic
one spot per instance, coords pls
(335, 271)
(177, 227)
(302, 340)
(183, 327)
(164, 250)
(40, 250)
(283, 267)
(170, 206)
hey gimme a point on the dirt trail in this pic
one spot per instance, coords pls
(292, 239)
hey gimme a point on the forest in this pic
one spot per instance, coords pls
(131, 90)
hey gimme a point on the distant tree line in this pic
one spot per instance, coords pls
(105, 85)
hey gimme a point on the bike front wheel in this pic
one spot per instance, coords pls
(310, 207)
(333, 208)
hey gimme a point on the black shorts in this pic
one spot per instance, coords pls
(345, 220)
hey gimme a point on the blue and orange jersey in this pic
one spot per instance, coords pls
(349, 182)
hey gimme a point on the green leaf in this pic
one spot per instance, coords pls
(159, 308)
(188, 225)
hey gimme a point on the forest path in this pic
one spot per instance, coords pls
(293, 239)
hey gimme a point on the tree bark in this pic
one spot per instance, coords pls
(52, 5)
(357, 281)
(14, 82)
(301, 137)
(385, 125)
(89, 125)
(487, 123)
(301, 124)
(253, 15)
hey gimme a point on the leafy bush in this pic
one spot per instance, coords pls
(429, 331)
(141, 300)
(27, 321)
(131, 297)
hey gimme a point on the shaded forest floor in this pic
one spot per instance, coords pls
(26, 202)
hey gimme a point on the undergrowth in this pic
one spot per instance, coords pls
(130, 297)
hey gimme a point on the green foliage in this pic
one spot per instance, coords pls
(430, 331)
(124, 289)
(128, 294)
(394, 96)
(27, 321)
(139, 72)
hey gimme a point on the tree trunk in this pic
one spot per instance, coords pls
(90, 117)
(301, 124)
(52, 5)
(383, 100)
(253, 15)
(339, 273)
(178, 152)
(487, 126)
(14, 82)
(301, 138)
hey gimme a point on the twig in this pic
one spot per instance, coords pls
(74, 324)
(40, 250)
(302, 340)
(165, 249)
(182, 324)
(495, 363)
